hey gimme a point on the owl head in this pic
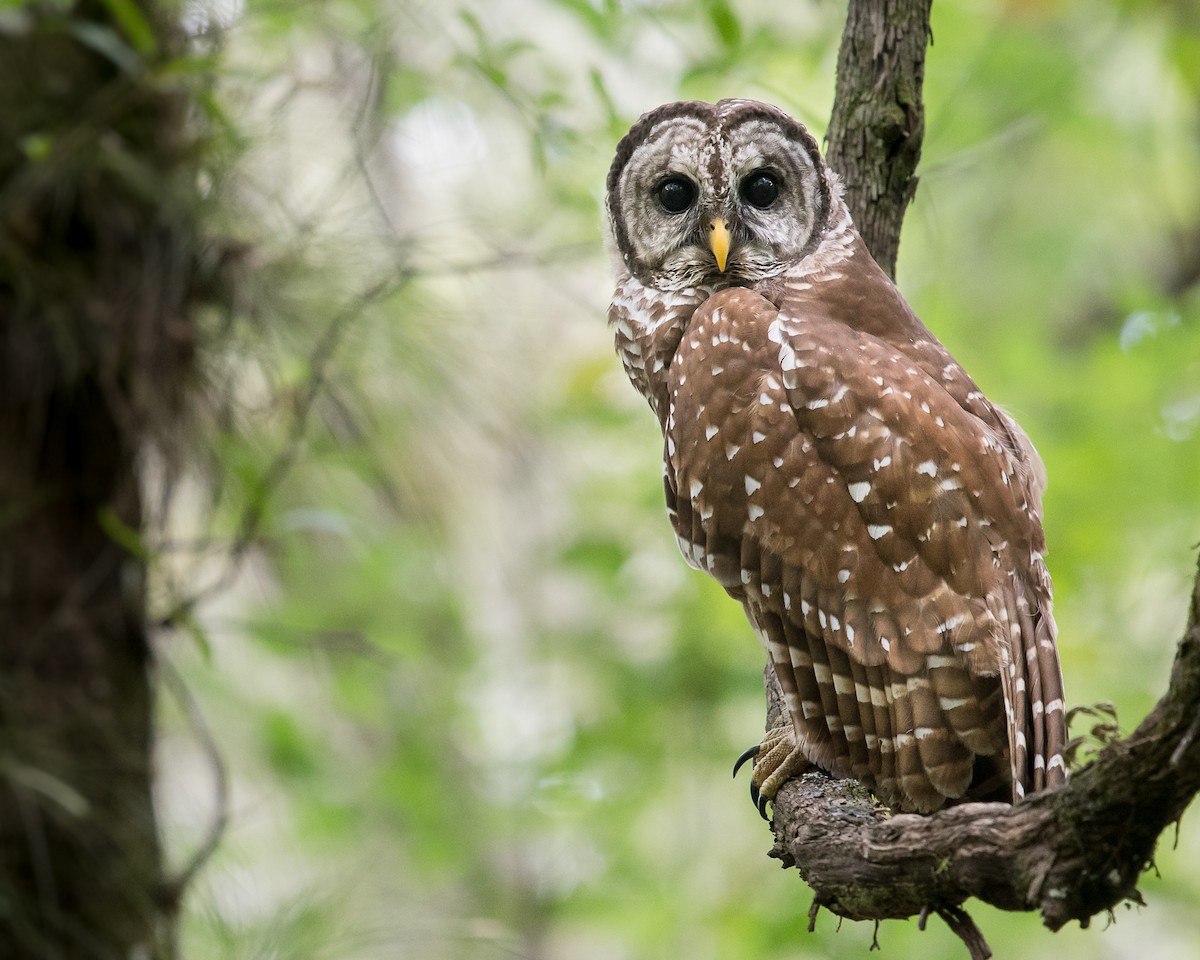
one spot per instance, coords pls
(716, 195)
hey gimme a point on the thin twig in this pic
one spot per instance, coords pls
(284, 460)
(175, 887)
(958, 920)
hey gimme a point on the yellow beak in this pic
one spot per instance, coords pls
(718, 241)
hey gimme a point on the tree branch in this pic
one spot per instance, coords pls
(1069, 853)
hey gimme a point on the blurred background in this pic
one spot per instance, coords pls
(470, 701)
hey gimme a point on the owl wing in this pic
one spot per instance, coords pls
(881, 538)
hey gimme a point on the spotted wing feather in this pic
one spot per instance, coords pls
(836, 488)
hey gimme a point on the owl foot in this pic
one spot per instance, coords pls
(756, 797)
(777, 759)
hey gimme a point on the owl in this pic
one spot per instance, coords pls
(832, 466)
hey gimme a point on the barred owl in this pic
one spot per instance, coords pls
(831, 465)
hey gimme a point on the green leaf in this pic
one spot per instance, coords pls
(48, 785)
(725, 22)
(404, 88)
(288, 749)
(134, 25)
(121, 533)
(108, 43)
(37, 146)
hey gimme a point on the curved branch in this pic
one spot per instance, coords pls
(1069, 853)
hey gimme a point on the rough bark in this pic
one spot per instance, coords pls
(878, 119)
(98, 264)
(1069, 853)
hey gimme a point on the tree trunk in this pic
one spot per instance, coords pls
(79, 859)
(878, 119)
(97, 267)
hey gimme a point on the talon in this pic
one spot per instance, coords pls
(747, 754)
(762, 807)
(754, 793)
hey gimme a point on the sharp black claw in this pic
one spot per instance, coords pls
(759, 800)
(747, 754)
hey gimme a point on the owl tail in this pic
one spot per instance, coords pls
(1032, 683)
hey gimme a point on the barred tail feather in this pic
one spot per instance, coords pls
(1053, 715)
(1033, 693)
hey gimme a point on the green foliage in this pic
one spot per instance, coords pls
(472, 700)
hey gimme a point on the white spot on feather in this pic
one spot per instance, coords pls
(752, 485)
(859, 491)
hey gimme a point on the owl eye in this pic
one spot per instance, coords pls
(675, 194)
(760, 189)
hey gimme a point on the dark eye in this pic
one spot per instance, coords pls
(675, 194)
(760, 189)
